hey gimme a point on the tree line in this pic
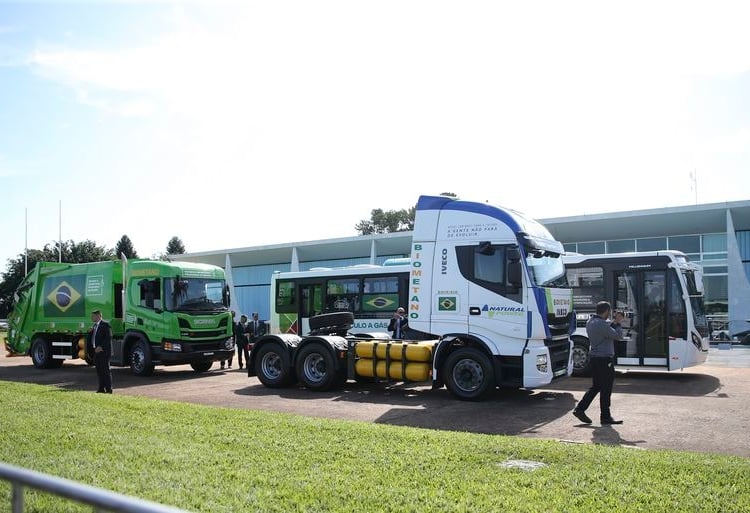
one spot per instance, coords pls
(68, 252)
(390, 221)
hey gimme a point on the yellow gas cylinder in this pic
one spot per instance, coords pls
(82, 348)
(415, 351)
(414, 371)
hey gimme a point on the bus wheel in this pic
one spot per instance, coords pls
(581, 361)
(272, 366)
(201, 366)
(41, 354)
(316, 368)
(140, 359)
(468, 373)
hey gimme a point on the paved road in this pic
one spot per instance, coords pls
(702, 409)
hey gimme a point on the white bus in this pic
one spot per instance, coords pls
(370, 292)
(661, 294)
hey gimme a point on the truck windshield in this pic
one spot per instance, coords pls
(546, 269)
(194, 294)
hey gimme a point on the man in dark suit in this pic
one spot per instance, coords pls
(240, 339)
(100, 345)
(255, 329)
(399, 324)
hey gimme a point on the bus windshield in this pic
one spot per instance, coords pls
(546, 269)
(194, 294)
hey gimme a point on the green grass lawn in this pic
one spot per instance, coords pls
(219, 459)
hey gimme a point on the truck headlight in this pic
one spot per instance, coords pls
(173, 346)
(229, 344)
(541, 363)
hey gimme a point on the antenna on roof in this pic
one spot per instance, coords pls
(694, 186)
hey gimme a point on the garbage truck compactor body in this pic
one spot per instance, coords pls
(488, 306)
(161, 313)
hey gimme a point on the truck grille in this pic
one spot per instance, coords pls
(202, 334)
(559, 351)
(207, 346)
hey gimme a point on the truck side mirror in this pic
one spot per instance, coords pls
(225, 296)
(515, 272)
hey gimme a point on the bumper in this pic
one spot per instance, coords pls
(194, 353)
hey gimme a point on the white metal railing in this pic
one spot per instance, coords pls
(101, 500)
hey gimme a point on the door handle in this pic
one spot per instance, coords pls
(474, 310)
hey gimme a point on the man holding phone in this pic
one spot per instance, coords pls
(399, 324)
(602, 335)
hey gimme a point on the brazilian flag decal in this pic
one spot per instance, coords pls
(63, 296)
(447, 303)
(377, 302)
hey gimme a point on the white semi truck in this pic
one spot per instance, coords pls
(487, 305)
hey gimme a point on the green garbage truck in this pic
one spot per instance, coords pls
(161, 313)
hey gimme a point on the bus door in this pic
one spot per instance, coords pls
(310, 304)
(642, 296)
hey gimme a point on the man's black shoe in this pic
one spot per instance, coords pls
(611, 421)
(582, 416)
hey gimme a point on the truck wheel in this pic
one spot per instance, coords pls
(581, 360)
(41, 353)
(468, 373)
(316, 368)
(272, 366)
(201, 366)
(140, 359)
(331, 319)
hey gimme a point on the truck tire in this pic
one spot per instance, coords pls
(272, 366)
(140, 359)
(581, 360)
(316, 368)
(468, 373)
(331, 319)
(41, 353)
(201, 366)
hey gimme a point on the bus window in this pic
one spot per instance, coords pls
(285, 297)
(342, 295)
(677, 317)
(588, 286)
(380, 294)
(312, 299)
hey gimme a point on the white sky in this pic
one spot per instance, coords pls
(234, 124)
